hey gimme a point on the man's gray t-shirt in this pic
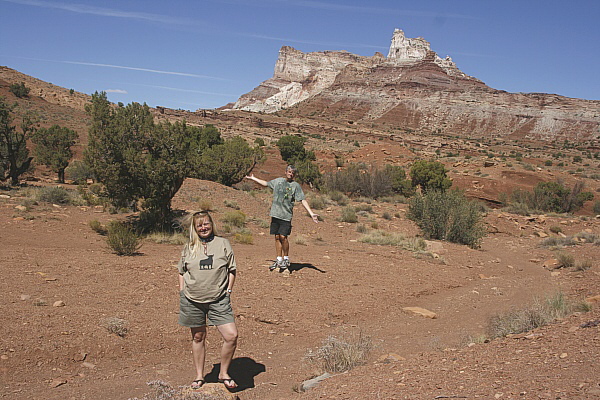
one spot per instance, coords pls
(285, 194)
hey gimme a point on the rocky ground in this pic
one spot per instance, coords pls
(61, 285)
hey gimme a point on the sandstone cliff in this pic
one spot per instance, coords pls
(414, 89)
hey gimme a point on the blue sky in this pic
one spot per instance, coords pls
(206, 53)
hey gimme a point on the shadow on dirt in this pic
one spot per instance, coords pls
(242, 369)
(298, 266)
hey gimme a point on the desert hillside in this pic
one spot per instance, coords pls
(425, 312)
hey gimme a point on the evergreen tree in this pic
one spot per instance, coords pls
(14, 155)
(53, 148)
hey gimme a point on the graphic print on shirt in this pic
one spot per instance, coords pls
(207, 263)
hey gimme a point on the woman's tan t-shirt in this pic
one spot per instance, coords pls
(206, 276)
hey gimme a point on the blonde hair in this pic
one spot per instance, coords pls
(194, 239)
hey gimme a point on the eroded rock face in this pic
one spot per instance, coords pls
(414, 89)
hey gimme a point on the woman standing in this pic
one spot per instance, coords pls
(206, 276)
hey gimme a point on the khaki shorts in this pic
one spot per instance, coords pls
(193, 315)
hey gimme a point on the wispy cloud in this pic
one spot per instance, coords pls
(104, 12)
(319, 43)
(186, 90)
(120, 91)
(156, 71)
(323, 5)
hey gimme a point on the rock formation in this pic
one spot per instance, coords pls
(414, 89)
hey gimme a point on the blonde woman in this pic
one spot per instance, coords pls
(206, 276)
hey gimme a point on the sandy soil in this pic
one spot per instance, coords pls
(338, 284)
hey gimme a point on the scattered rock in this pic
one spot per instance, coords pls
(312, 383)
(57, 382)
(593, 299)
(390, 358)
(551, 264)
(21, 208)
(421, 311)
(211, 391)
(541, 234)
(59, 303)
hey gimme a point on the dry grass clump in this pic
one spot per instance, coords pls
(97, 227)
(340, 354)
(540, 313)
(244, 236)
(583, 265)
(162, 391)
(565, 260)
(122, 239)
(558, 242)
(177, 238)
(115, 325)
(231, 204)
(316, 202)
(384, 238)
(300, 240)
(205, 205)
(235, 219)
(349, 215)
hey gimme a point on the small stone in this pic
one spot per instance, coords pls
(21, 208)
(563, 355)
(3, 357)
(541, 234)
(57, 382)
(421, 311)
(593, 299)
(25, 297)
(88, 365)
(59, 303)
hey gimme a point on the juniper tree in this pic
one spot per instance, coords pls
(53, 148)
(14, 155)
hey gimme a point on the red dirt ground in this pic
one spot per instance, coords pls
(50, 254)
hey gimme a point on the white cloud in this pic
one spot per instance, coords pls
(120, 91)
(104, 12)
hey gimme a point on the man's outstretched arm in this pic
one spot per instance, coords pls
(315, 217)
(257, 180)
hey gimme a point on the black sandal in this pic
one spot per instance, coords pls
(197, 384)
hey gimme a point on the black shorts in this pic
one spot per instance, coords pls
(280, 227)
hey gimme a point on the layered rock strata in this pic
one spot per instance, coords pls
(414, 89)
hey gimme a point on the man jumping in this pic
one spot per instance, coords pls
(286, 192)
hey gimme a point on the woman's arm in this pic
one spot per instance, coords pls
(180, 282)
(231, 277)
(257, 180)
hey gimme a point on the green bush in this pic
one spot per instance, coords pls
(349, 215)
(292, 149)
(79, 172)
(54, 195)
(122, 239)
(19, 89)
(235, 218)
(97, 227)
(596, 207)
(548, 197)
(360, 180)
(430, 175)
(448, 216)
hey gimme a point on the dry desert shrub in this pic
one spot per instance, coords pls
(583, 265)
(244, 236)
(162, 391)
(231, 204)
(538, 314)
(349, 215)
(122, 239)
(235, 219)
(342, 353)
(97, 227)
(167, 238)
(565, 260)
(117, 326)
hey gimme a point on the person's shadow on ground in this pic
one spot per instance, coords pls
(242, 370)
(298, 266)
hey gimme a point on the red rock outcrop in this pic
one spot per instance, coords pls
(413, 89)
